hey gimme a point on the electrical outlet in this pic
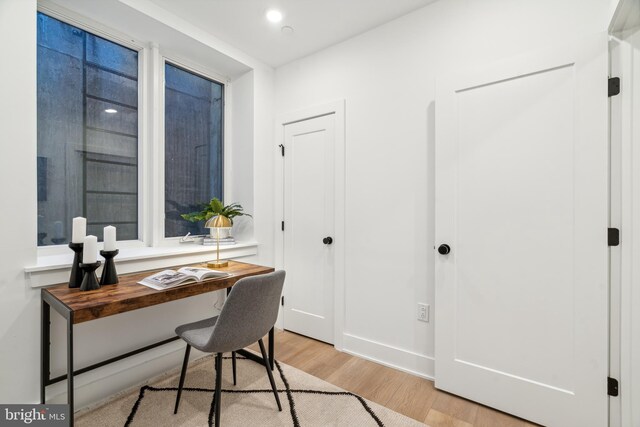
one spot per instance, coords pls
(423, 312)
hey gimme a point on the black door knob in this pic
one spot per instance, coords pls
(444, 249)
(327, 240)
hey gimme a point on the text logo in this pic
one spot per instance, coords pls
(34, 415)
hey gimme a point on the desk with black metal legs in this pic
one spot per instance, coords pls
(79, 307)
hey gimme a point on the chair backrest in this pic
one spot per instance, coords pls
(250, 311)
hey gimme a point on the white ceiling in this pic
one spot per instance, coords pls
(317, 24)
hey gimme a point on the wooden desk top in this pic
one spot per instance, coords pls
(128, 295)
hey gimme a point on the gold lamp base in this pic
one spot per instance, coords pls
(217, 264)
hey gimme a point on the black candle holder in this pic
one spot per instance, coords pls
(109, 275)
(76, 274)
(89, 280)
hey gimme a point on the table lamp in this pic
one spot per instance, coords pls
(218, 222)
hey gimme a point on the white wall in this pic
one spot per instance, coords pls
(19, 303)
(388, 77)
(263, 165)
(19, 306)
(252, 152)
(240, 147)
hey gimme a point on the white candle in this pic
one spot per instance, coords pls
(57, 229)
(110, 238)
(79, 229)
(90, 250)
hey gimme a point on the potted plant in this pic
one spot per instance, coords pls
(216, 208)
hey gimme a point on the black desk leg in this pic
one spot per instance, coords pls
(45, 347)
(45, 350)
(70, 366)
(272, 347)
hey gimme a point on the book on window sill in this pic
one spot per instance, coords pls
(170, 279)
(212, 241)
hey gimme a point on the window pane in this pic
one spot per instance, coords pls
(87, 157)
(193, 147)
(106, 85)
(117, 59)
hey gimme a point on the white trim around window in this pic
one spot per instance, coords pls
(95, 28)
(152, 249)
(158, 88)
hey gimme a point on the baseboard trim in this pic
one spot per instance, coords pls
(192, 362)
(393, 357)
(100, 385)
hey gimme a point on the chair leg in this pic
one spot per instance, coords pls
(233, 362)
(269, 373)
(183, 374)
(217, 399)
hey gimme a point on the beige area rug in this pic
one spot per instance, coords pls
(306, 401)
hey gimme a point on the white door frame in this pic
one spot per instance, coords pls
(625, 210)
(338, 109)
(624, 57)
(616, 221)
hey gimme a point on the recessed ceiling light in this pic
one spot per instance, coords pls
(110, 111)
(286, 29)
(274, 15)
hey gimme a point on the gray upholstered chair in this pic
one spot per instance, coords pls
(250, 311)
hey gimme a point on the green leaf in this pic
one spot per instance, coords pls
(216, 207)
(193, 216)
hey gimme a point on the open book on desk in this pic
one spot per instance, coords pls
(170, 279)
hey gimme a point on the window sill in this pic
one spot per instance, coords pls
(55, 269)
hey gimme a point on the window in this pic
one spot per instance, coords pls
(87, 133)
(193, 146)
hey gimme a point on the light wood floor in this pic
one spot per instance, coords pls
(404, 393)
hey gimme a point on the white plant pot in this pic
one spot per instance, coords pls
(224, 232)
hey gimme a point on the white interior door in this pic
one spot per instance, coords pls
(309, 225)
(521, 199)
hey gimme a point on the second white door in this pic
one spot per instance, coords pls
(308, 227)
(521, 191)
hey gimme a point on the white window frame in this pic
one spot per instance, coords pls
(192, 67)
(152, 249)
(116, 37)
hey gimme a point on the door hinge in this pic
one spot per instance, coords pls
(613, 236)
(614, 86)
(281, 149)
(282, 225)
(612, 386)
(282, 300)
